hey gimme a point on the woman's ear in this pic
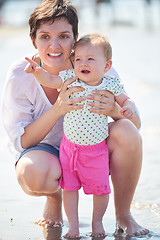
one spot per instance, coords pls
(108, 65)
(77, 36)
(75, 40)
(33, 41)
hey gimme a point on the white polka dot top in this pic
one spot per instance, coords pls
(81, 126)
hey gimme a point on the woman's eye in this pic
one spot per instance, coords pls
(45, 37)
(90, 59)
(63, 36)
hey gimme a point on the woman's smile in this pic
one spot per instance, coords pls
(54, 54)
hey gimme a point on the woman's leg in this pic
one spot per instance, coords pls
(38, 173)
(70, 201)
(100, 203)
(125, 147)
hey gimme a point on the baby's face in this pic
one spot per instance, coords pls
(90, 63)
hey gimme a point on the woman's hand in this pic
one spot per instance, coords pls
(104, 103)
(64, 103)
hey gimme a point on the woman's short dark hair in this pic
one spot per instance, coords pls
(48, 11)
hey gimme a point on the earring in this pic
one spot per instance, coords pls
(72, 52)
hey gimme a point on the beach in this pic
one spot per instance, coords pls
(136, 57)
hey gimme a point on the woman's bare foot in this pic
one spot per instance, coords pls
(98, 230)
(52, 215)
(127, 224)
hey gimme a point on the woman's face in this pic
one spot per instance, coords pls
(54, 43)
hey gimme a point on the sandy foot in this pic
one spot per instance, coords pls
(73, 231)
(52, 215)
(71, 236)
(128, 226)
(98, 230)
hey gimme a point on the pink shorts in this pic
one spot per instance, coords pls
(84, 166)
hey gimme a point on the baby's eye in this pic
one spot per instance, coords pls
(77, 59)
(90, 59)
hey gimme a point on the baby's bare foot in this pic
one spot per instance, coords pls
(98, 235)
(98, 230)
(70, 236)
(73, 231)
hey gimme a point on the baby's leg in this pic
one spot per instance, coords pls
(100, 203)
(70, 201)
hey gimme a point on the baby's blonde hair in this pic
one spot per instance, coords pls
(96, 40)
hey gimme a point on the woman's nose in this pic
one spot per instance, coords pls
(54, 43)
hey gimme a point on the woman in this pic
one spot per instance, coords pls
(33, 118)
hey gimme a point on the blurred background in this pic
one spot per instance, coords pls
(133, 28)
(131, 12)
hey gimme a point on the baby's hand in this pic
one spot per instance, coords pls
(127, 112)
(32, 66)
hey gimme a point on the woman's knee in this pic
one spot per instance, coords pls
(124, 133)
(35, 175)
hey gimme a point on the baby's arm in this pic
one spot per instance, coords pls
(42, 76)
(128, 107)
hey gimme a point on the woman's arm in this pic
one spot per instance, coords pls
(37, 130)
(105, 104)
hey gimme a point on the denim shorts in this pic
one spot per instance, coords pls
(41, 146)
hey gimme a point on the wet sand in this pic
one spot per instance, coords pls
(136, 57)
